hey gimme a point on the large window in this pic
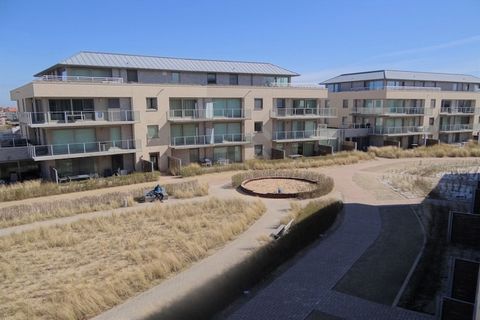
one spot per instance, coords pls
(231, 108)
(113, 103)
(233, 154)
(258, 126)
(175, 77)
(211, 78)
(258, 104)
(374, 85)
(345, 103)
(280, 103)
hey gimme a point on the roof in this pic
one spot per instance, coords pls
(115, 60)
(403, 75)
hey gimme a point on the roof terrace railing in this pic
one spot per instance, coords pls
(78, 117)
(80, 79)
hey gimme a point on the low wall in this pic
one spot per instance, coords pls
(324, 150)
(431, 142)
(213, 297)
(391, 143)
(349, 146)
(174, 165)
(278, 154)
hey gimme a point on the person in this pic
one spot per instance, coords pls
(158, 192)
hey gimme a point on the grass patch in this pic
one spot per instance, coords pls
(78, 270)
(323, 184)
(340, 158)
(299, 213)
(37, 188)
(436, 151)
(44, 210)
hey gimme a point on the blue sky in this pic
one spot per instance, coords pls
(318, 39)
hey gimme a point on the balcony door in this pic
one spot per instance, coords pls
(73, 141)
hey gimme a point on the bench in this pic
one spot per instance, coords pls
(281, 230)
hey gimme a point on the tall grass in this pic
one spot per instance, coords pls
(37, 188)
(435, 151)
(299, 213)
(341, 158)
(78, 270)
(44, 210)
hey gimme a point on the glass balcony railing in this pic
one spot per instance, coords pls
(203, 114)
(215, 139)
(394, 111)
(459, 110)
(399, 130)
(52, 150)
(303, 112)
(305, 134)
(80, 79)
(456, 127)
(78, 117)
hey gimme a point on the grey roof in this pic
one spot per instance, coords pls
(403, 75)
(115, 60)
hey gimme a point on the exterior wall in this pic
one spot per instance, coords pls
(136, 95)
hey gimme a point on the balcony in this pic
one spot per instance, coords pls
(399, 131)
(185, 142)
(456, 127)
(296, 85)
(300, 113)
(394, 112)
(306, 135)
(80, 79)
(78, 119)
(189, 115)
(85, 149)
(459, 110)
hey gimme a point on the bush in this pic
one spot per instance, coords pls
(340, 158)
(38, 188)
(436, 151)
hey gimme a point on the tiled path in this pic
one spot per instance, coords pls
(308, 284)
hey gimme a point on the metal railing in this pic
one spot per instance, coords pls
(456, 127)
(203, 114)
(81, 79)
(305, 134)
(77, 116)
(399, 130)
(231, 138)
(304, 112)
(459, 110)
(413, 88)
(393, 111)
(295, 85)
(83, 148)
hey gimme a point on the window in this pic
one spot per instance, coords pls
(211, 78)
(258, 103)
(281, 103)
(233, 79)
(132, 75)
(431, 121)
(151, 103)
(113, 103)
(327, 103)
(152, 132)
(258, 126)
(345, 103)
(344, 120)
(258, 150)
(432, 103)
(175, 77)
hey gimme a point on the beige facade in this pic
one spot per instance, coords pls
(33, 100)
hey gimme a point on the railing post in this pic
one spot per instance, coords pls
(51, 150)
(68, 148)
(128, 144)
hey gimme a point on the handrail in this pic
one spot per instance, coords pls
(74, 116)
(307, 112)
(208, 114)
(210, 139)
(82, 147)
(80, 79)
(296, 85)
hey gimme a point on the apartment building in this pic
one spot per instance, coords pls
(389, 107)
(99, 113)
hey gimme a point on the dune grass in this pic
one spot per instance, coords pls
(78, 270)
(299, 213)
(37, 188)
(44, 210)
(436, 151)
(340, 158)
